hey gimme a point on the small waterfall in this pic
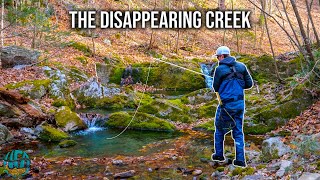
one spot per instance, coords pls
(208, 69)
(93, 121)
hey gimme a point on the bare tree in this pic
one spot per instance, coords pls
(312, 23)
(271, 46)
(303, 33)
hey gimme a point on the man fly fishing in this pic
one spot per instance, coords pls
(230, 80)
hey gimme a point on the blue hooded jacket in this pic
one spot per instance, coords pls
(224, 69)
(228, 91)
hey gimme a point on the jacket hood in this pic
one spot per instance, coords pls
(228, 61)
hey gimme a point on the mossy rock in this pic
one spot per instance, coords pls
(51, 134)
(174, 110)
(208, 126)
(81, 47)
(67, 143)
(237, 171)
(249, 171)
(141, 121)
(263, 67)
(207, 110)
(69, 120)
(199, 96)
(220, 169)
(36, 89)
(163, 76)
(76, 75)
(64, 102)
(257, 129)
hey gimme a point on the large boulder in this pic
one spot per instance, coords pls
(141, 121)
(310, 176)
(273, 148)
(5, 134)
(69, 120)
(19, 111)
(51, 134)
(199, 96)
(173, 110)
(16, 55)
(94, 94)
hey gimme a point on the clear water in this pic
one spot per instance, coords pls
(93, 143)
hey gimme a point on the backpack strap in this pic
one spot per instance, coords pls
(233, 74)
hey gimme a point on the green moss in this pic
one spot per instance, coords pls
(81, 47)
(261, 166)
(249, 171)
(168, 109)
(208, 126)
(116, 74)
(257, 129)
(82, 59)
(163, 76)
(318, 165)
(231, 156)
(284, 133)
(36, 84)
(37, 88)
(220, 169)
(207, 111)
(117, 35)
(198, 96)
(77, 75)
(51, 134)
(141, 121)
(237, 171)
(65, 116)
(67, 143)
(63, 102)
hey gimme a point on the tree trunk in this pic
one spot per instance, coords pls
(2, 26)
(270, 41)
(294, 32)
(303, 33)
(311, 20)
(222, 4)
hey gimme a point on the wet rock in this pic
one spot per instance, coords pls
(253, 177)
(284, 168)
(204, 160)
(126, 174)
(29, 151)
(117, 162)
(5, 134)
(69, 120)
(67, 143)
(273, 148)
(174, 157)
(310, 176)
(197, 172)
(16, 55)
(52, 134)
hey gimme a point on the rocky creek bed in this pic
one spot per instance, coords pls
(171, 134)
